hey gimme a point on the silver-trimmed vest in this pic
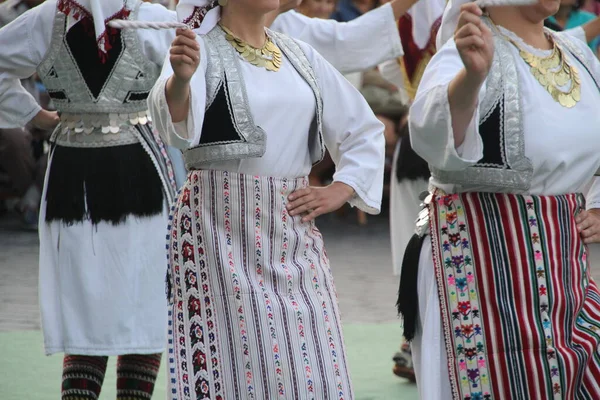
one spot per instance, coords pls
(120, 102)
(226, 90)
(507, 170)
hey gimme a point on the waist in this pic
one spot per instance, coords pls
(77, 123)
(487, 209)
(233, 182)
(98, 129)
(560, 209)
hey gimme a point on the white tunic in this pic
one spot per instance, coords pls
(352, 134)
(101, 287)
(354, 46)
(562, 144)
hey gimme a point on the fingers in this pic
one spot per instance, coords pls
(314, 214)
(186, 41)
(182, 59)
(469, 18)
(300, 193)
(470, 29)
(592, 239)
(309, 206)
(471, 8)
(303, 200)
(588, 224)
(579, 218)
(185, 33)
(584, 220)
(590, 231)
(185, 51)
(471, 41)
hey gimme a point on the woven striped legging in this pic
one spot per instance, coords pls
(83, 376)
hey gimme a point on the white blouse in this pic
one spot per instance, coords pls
(283, 105)
(358, 45)
(563, 144)
(24, 43)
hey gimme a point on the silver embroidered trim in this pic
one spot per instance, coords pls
(224, 64)
(518, 177)
(215, 72)
(133, 73)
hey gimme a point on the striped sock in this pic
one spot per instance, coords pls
(136, 375)
(82, 377)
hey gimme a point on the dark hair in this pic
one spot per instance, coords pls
(552, 25)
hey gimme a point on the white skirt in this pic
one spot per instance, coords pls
(428, 347)
(101, 286)
(404, 208)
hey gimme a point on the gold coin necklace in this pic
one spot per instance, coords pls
(268, 56)
(553, 72)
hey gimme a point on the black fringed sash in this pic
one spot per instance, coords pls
(103, 184)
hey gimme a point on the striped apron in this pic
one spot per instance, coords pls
(254, 313)
(521, 314)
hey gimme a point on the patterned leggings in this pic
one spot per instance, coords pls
(83, 376)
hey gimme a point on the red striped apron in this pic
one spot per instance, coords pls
(521, 314)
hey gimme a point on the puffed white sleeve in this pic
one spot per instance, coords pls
(185, 134)
(392, 72)
(430, 120)
(354, 46)
(352, 134)
(155, 44)
(23, 44)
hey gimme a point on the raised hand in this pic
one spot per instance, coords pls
(474, 42)
(185, 55)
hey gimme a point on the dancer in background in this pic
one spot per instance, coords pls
(254, 308)
(517, 321)
(418, 29)
(107, 188)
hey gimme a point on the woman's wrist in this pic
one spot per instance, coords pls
(177, 93)
(344, 189)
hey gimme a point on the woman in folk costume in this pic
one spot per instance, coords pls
(107, 188)
(506, 305)
(254, 310)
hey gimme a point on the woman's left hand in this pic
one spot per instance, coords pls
(588, 225)
(315, 201)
